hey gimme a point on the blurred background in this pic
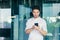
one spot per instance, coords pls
(5, 19)
(15, 13)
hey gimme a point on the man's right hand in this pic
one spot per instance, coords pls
(29, 30)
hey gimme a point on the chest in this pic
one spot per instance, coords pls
(40, 23)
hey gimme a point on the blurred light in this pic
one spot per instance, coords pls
(13, 16)
(58, 17)
(49, 34)
(1, 38)
(5, 14)
(53, 19)
(10, 20)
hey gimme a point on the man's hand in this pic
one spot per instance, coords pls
(41, 31)
(29, 30)
(36, 27)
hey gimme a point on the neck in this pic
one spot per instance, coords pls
(36, 17)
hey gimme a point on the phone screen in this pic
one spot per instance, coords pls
(36, 24)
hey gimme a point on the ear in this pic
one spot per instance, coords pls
(31, 14)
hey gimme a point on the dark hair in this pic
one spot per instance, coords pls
(36, 7)
(59, 14)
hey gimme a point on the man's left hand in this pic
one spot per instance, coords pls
(36, 28)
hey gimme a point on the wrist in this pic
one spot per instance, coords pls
(39, 29)
(31, 29)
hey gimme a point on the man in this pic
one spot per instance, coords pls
(36, 26)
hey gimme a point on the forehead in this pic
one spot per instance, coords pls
(36, 10)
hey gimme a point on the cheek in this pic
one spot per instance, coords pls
(34, 13)
(37, 14)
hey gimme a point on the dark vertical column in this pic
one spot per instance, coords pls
(14, 11)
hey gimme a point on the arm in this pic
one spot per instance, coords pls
(43, 32)
(28, 31)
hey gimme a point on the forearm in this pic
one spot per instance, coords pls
(42, 32)
(28, 31)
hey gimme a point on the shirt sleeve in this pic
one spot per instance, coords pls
(44, 26)
(28, 25)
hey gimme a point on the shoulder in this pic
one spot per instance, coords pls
(43, 20)
(30, 19)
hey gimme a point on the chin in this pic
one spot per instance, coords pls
(35, 16)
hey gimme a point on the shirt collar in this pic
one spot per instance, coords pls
(37, 18)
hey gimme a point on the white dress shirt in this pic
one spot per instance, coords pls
(34, 34)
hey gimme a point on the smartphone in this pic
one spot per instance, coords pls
(36, 24)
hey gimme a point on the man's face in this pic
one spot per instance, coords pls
(36, 13)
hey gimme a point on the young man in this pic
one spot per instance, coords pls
(36, 26)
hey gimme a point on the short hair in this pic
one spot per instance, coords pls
(36, 7)
(59, 14)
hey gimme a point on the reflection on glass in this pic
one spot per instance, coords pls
(50, 14)
(5, 18)
(5, 23)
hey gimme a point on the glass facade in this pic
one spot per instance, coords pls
(15, 13)
(50, 14)
(5, 19)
